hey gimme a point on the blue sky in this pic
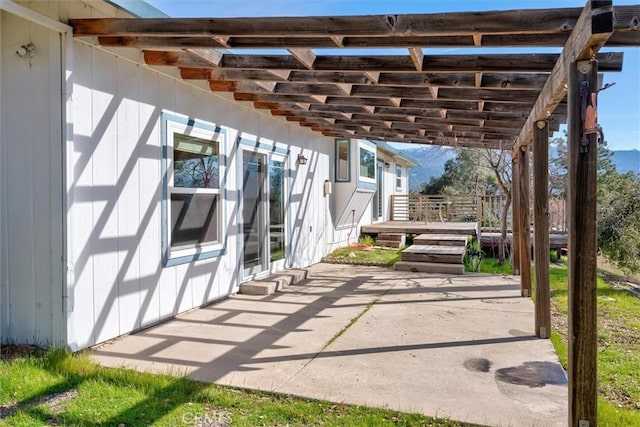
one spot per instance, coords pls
(619, 106)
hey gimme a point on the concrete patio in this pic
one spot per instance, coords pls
(460, 347)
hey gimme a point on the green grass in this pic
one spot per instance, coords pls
(355, 255)
(491, 266)
(618, 348)
(107, 396)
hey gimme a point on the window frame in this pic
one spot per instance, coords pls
(361, 178)
(399, 178)
(338, 141)
(175, 124)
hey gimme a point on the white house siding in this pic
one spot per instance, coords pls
(388, 183)
(120, 284)
(31, 185)
(111, 214)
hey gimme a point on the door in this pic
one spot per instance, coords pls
(254, 216)
(377, 204)
(263, 213)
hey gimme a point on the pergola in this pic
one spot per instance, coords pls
(493, 101)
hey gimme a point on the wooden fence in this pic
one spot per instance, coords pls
(460, 208)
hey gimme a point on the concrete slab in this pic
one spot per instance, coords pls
(460, 347)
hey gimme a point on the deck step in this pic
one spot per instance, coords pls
(428, 267)
(273, 282)
(391, 240)
(440, 239)
(434, 254)
(389, 243)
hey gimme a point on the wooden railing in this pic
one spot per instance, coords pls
(460, 208)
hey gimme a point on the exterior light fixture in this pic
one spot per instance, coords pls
(302, 160)
(26, 50)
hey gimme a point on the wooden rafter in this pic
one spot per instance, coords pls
(465, 100)
(471, 25)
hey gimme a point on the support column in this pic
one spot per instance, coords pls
(524, 222)
(582, 169)
(541, 228)
(515, 212)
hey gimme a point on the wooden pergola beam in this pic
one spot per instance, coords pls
(584, 42)
(477, 27)
(403, 63)
(623, 37)
(495, 80)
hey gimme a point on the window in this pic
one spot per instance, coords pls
(342, 160)
(367, 169)
(398, 178)
(192, 213)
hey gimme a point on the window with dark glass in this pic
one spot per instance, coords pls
(195, 194)
(367, 168)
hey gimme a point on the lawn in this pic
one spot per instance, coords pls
(618, 347)
(364, 254)
(62, 389)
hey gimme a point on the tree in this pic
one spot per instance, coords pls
(618, 211)
(467, 173)
(479, 173)
(500, 162)
(618, 225)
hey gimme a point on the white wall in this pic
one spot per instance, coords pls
(31, 185)
(116, 281)
(120, 283)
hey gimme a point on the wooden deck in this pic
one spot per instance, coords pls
(556, 240)
(414, 227)
(487, 239)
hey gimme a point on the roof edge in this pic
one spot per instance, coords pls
(138, 8)
(396, 153)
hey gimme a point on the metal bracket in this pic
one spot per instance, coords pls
(584, 66)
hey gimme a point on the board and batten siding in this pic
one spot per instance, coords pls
(120, 284)
(31, 209)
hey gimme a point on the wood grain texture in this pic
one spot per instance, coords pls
(524, 237)
(581, 203)
(541, 229)
(582, 44)
(531, 85)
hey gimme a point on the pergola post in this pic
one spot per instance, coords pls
(524, 222)
(582, 171)
(515, 211)
(541, 228)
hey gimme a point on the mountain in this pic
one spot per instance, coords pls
(431, 160)
(627, 161)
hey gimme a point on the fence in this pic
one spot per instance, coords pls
(461, 208)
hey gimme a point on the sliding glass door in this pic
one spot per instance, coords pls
(263, 213)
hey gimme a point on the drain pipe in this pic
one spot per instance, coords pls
(66, 141)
